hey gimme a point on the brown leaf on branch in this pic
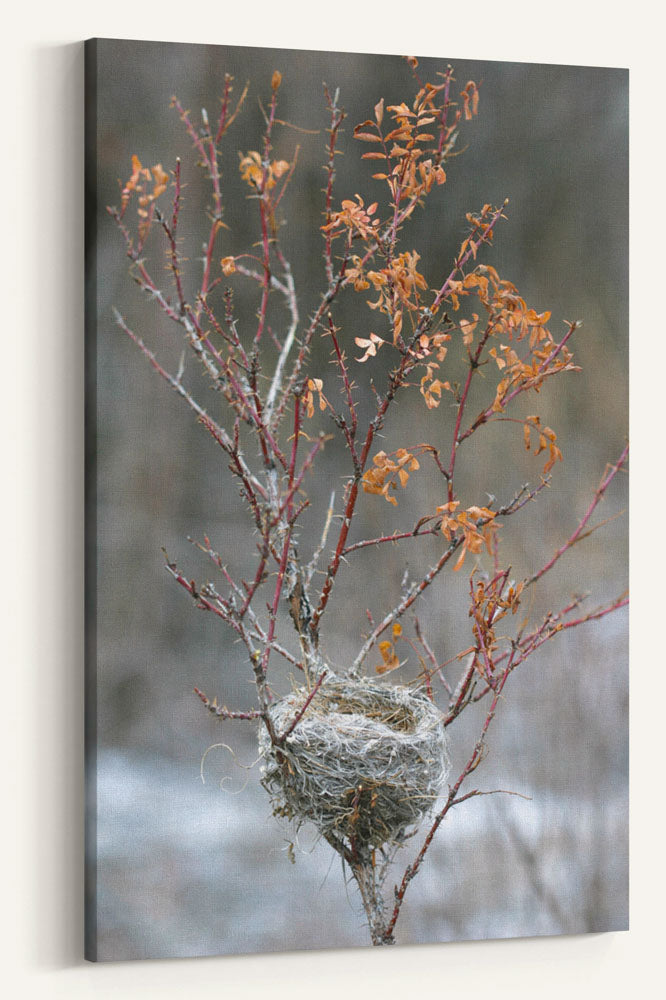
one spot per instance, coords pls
(388, 469)
(314, 385)
(371, 345)
(390, 659)
(546, 441)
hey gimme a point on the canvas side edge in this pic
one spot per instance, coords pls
(90, 412)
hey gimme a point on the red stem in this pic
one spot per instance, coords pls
(336, 120)
(220, 712)
(473, 366)
(395, 537)
(344, 373)
(264, 202)
(461, 261)
(601, 489)
(301, 712)
(413, 868)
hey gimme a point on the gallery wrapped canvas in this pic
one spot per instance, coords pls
(357, 468)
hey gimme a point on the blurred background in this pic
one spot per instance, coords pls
(189, 868)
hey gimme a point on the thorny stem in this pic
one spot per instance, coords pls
(375, 425)
(265, 210)
(365, 874)
(222, 712)
(349, 432)
(251, 484)
(451, 800)
(414, 591)
(306, 340)
(436, 667)
(419, 531)
(471, 250)
(473, 367)
(396, 381)
(523, 385)
(304, 707)
(337, 117)
(577, 534)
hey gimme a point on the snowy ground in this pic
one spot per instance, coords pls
(187, 869)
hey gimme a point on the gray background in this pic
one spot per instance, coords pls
(184, 868)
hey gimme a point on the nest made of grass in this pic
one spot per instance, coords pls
(365, 763)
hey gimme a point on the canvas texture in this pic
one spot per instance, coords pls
(346, 443)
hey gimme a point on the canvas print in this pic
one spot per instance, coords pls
(357, 464)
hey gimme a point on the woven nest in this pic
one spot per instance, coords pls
(364, 763)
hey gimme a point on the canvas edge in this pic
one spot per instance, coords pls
(90, 530)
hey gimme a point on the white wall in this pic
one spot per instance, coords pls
(40, 305)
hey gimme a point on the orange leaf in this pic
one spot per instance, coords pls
(461, 558)
(390, 660)
(526, 436)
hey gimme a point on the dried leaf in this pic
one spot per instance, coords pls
(389, 658)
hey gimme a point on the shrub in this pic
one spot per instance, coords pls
(363, 759)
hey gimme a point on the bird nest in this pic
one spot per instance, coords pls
(364, 763)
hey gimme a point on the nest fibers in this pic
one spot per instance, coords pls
(364, 763)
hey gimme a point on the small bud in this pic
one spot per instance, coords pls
(277, 79)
